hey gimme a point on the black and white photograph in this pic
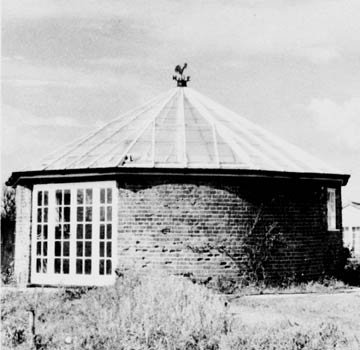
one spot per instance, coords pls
(180, 175)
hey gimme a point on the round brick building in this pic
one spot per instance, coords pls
(181, 184)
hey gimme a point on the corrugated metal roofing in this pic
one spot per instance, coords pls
(183, 129)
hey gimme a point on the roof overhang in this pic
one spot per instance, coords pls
(67, 175)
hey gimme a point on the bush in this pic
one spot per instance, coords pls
(7, 275)
(351, 273)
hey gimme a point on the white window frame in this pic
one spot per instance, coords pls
(52, 278)
(331, 209)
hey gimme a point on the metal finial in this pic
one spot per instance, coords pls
(180, 77)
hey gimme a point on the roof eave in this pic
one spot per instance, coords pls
(56, 175)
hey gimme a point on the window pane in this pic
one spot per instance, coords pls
(38, 248)
(46, 197)
(101, 266)
(79, 266)
(66, 231)
(87, 267)
(67, 197)
(58, 215)
(39, 215)
(80, 196)
(102, 214)
(109, 195)
(109, 214)
(67, 214)
(102, 249)
(108, 249)
(38, 234)
(58, 196)
(58, 232)
(80, 214)
(87, 248)
(108, 267)
(45, 231)
(66, 248)
(102, 231)
(88, 214)
(39, 198)
(89, 196)
(102, 195)
(45, 214)
(331, 209)
(66, 265)
(44, 267)
(38, 265)
(57, 265)
(88, 231)
(79, 231)
(79, 249)
(45, 248)
(57, 248)
(108, 231)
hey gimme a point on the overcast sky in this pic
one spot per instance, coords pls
(291, 66)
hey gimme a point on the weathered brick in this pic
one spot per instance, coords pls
(208, 213)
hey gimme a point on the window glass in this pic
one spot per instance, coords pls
(102, 195)
(80, 196)
(88, 196)
(331, 209)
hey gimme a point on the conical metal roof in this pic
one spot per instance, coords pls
(183, 129)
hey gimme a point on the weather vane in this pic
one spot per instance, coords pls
(180, 78)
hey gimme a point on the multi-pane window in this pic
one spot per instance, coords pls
(74, 225)
(331, 209)
(42, 218)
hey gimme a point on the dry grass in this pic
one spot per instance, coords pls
(340, 311)
(171, 313)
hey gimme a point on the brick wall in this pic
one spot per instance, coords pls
(200, 226)
(22, 235)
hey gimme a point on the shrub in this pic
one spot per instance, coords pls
(351, 274)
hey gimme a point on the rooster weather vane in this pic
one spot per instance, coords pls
(180, 78)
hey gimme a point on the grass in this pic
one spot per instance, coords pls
(324, 286)
(171, 313)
